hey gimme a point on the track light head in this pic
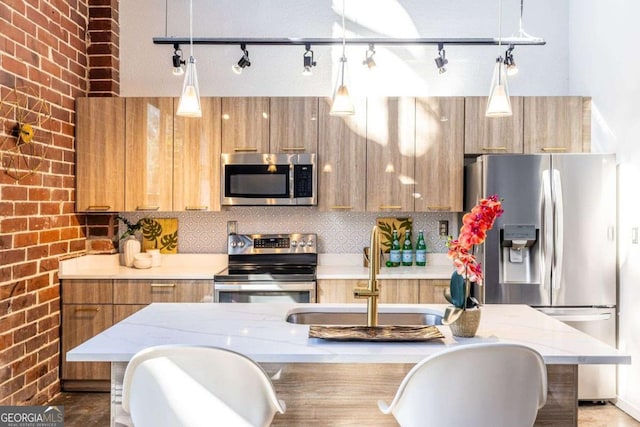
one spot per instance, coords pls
(441, 60)
(509, 62)
(307, 60)
(368, 57)
(177, 61)
(243, 62)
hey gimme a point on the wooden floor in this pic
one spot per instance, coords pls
(92, 409)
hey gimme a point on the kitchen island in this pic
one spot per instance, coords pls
(339, 383)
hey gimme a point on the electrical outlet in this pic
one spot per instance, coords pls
(232, 227)
(443, 228)
(634, 235)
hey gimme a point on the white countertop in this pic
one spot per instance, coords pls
(261, 332)
(205, 266)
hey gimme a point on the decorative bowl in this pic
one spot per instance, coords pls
(142, 260)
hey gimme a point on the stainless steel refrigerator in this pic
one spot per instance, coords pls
(554, 248)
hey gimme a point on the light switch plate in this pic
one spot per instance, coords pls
(443, 228)
(232, 227)
(634, 235)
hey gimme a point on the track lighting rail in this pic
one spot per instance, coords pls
(516, 41)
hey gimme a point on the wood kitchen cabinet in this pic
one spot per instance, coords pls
(485, 135)
(196, 158)
(439, 154)
(339, 291)
(245, 125)
(557, 124)
(399, 292)
(149, 154)
(391, 291)
(432, 291)
(150, 291)
(293, 125)
(391, 131)
(100, 154)
(342, 154)
(86, 311)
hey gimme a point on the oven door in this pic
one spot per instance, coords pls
(301, 292)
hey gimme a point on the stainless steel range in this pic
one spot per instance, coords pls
(269, 268)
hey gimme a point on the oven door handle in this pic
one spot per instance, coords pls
(265, 286)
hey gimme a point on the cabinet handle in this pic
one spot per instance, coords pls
(196, 208)
(494, 148)
(99, 208)
(93, 309)
(390, 207)
(292, 148)
(244, 149)
(147, 208)
(342, 207)
(554, 149)
(439, 208)
(163, 285)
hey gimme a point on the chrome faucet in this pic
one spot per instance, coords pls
(371, 292)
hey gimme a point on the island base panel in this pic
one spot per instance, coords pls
(337, 394)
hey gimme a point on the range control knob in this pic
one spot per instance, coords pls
(302, 243)
(294, 243)
(233, 243)
(241, 244)
(310, 243)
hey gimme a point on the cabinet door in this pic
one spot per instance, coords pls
(553, 124)
(483, 135)
(439, 154)
(196, 159)
(245, 125)
(122, 311)
(339, 291)
(399, 291)
(150, 291)
(100, 148)
(149, 154)
(95, 291)
(342, 159)
(391, 129)
(293, 125)
(81, 322)
(432, 291)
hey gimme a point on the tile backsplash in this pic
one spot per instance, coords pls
(338, 232)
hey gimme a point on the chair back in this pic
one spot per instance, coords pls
(177, 385)
(481, 385)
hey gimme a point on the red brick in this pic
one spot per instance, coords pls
(24, 270)
(38, 282)
(12, 225)
(12, 386)
(50, 209)
(12, 256)
(6, 209)
(37, 312)
(14, 193)
(26, 393)
(77, 245)
(48, 236)
(6, 241)
(24, 333)
(22, 240)
(35, 343)
(23, 23)
(12, 289)
(10, 322)
(6, 341)
(50, 264)
(25, 208)
(37, 252)
(39, 223)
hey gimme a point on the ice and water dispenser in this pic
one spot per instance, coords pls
(520, 254)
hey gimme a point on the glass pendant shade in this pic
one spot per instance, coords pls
(189, 105)
(342, 105)
(499, 104)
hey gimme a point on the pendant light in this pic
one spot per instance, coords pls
(499, 104)
(342, 105)
(189, 104)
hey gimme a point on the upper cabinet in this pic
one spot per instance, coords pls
(391, 128)
(342, 154)
(483, 135)
(196, 159)
(293, 125)
(439, 157)
(245, 125)
(100, 146)
(557, 124)
(149, 154)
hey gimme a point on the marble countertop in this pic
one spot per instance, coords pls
(261, 332)
(205, 266)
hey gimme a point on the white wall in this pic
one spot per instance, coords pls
(604, 63)
(407, 70)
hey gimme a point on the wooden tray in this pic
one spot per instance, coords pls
(375, 333)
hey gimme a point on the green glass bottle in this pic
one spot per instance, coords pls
(407, 250)
(394, 252)
(421, 250)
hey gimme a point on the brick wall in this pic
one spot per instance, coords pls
(43, 54)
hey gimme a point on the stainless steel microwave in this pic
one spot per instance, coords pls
(253, 179)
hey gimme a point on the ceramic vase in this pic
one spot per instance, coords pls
(467, 324)
(130, 248)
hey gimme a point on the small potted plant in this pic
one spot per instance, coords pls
(131, 246)
(464, 314)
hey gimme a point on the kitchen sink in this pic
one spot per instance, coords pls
(331, 317)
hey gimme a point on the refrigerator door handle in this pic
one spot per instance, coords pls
(546, 233)
(558, 228)
(581, 317)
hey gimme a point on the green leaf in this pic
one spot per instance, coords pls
(457, 288)
(169, 241)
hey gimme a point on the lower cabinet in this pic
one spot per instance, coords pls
(91, 306)
(408, 291)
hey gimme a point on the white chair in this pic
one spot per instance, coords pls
(482, 385)
(197, 386)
